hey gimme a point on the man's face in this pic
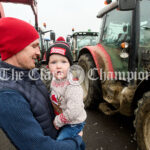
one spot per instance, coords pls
(26, 58)
(58, 66)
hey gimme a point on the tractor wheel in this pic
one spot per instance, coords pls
(142, 122)
(90, 85)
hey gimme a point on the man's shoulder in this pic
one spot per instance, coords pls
(10, 93)
(10, 99)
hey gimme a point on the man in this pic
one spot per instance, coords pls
(26, 114)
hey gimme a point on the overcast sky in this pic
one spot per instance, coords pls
(60, 15)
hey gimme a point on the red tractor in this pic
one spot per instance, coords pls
(31, 3)
(117, 77)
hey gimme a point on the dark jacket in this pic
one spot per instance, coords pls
(26, 114)
(29, 85)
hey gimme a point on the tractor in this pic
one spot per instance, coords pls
(117, 77)
(80, 39)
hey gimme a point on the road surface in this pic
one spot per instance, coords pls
(103, 132)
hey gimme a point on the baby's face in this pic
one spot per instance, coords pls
(58, 66)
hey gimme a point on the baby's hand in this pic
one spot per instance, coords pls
(55, 126)
(81, 133)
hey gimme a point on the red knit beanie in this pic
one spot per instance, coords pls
(60, 48)
(15, 35)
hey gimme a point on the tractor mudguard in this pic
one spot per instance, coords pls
(101, 58)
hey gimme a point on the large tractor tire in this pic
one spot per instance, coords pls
(142, 122)
(91, 87)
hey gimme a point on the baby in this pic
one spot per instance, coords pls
(66, 98)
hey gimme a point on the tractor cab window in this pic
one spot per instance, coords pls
(86, 40)
(144, 46)
(145, 23)
(117, 30)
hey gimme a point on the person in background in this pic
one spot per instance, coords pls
(26, 114)
(60, 38)
(66, 97)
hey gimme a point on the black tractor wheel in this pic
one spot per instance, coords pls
(91, 84)
(142, 122)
